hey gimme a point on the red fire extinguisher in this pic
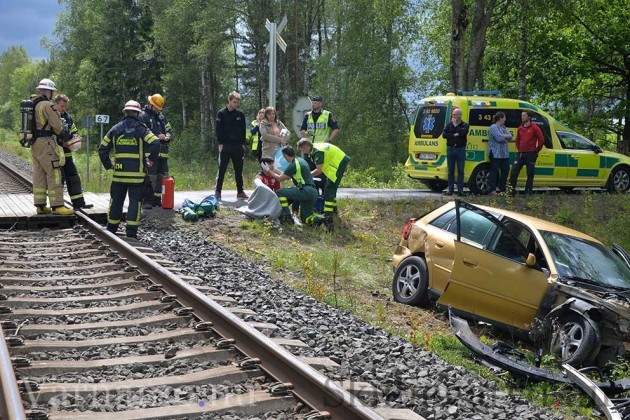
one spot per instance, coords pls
(168, 192)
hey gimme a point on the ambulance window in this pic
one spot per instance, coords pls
(542, 122)
(573, 141)
(430, 121)
(483, 117)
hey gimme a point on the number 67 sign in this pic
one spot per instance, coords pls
(102, 119)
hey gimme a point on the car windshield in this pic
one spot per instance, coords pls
(579, 258)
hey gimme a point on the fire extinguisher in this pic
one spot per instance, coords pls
(168, 192)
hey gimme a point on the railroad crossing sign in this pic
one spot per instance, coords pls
(274, 40)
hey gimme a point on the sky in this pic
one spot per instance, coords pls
(25, 22)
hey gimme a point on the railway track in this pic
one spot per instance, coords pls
(12, 182)
(97, 327)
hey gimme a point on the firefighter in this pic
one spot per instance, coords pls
(253, 135)
(134, 146)
(153, 118)
(71, 141)
(303, 192)
(332, 162)
(47, 157)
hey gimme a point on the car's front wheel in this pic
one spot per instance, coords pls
(411, 282)
(574, 340)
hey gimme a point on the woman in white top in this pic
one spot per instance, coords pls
(273, 133)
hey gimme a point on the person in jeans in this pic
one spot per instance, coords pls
(456, 134)
(498, 138)
(529, 141)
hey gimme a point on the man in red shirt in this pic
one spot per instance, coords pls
(529, 141)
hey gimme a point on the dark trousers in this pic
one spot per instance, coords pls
(117, 192)
(455, 158)
(499, 169)
(527, 159)
(73, 180)
(234, 152)
(152, 191)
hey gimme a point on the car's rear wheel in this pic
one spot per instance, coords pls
(574, 340)
(619, 180)
(411, 282)
(479, 181)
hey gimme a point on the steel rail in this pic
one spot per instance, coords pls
(11, 407)
(13, 173)
(307, 384)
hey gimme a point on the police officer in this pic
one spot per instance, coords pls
(303, 192)
(253, 134)
(332, 162)
(47, 161)
(153, 118)
(132, 143)
(70, 141)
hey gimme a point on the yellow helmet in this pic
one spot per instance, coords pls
(157, 101)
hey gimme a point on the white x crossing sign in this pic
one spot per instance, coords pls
(278, 39)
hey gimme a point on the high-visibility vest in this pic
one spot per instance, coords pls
(254, 139)
(332, 159)
(320, 129)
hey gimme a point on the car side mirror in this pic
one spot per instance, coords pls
(596, 149)
(531, 260)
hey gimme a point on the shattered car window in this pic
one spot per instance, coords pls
(578, 258)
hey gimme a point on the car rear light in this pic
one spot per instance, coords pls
(407, 228)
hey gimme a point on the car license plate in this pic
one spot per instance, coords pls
(427, 156)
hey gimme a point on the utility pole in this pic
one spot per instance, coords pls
(274, 40)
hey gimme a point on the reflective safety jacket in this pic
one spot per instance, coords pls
(329, 156)
(130, 141)
(320, 128)
(157, 123)
(253, 135)
(300, 173)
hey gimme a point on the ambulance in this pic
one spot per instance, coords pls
(566, 161)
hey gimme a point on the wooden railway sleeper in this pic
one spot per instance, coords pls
(249, 363)
(280, 388)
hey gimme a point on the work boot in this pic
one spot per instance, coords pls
(63, 211)
(83, 206)
(242, 195)
(286, 219)
(329, 225)
(217, 195)
(43, 210)
(146, 204)
(157, 202)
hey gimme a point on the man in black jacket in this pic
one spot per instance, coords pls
(230, 131)
(456, 133)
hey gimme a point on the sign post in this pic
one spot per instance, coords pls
(102, 120)
(87, 123)
(274, 40)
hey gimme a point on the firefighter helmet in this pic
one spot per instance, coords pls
(132, 106)
(73, 144)
(157, 101)
(47, 84)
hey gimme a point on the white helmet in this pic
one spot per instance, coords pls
(47, 84)
(73, 144)
(132, 106)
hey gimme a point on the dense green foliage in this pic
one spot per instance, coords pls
(370, 59)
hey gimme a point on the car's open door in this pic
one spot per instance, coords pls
(493, 280)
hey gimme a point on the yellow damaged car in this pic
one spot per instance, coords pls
(562, 288)
(566, 161)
